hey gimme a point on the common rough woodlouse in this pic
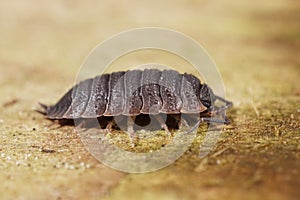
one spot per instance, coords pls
(136, 94)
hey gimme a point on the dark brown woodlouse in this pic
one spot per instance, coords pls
(137, 93)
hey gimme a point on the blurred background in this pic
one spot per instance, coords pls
(255, 45)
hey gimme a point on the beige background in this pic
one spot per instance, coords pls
(256, 47)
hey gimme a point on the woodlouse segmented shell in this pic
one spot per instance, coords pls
(134, 92)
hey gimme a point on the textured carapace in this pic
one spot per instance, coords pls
(136, 92)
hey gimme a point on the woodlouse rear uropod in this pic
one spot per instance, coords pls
(135, 93)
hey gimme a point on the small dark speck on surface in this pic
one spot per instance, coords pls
(46, 150)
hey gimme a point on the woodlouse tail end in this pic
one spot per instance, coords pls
(45, 109)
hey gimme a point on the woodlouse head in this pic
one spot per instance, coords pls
(207, 96)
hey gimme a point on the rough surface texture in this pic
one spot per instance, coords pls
(256, 46)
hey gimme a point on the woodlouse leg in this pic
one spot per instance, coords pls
(109, 127)
(182, 122)
(163, 124)
(213, 120)
(208, 120)
(82, 125)
(130, 130)
(54, 125)
(227, 105)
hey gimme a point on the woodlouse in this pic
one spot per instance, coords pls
(136, 93)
